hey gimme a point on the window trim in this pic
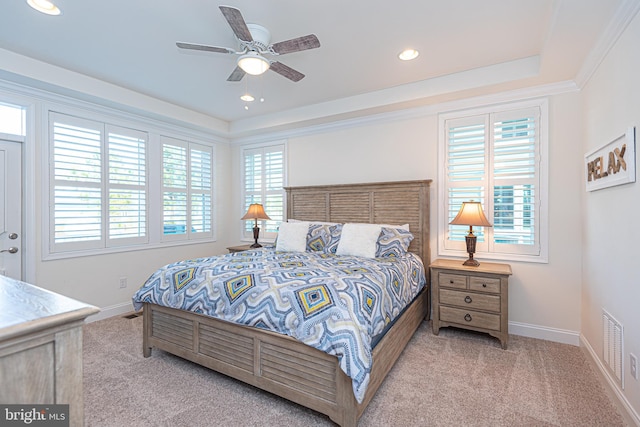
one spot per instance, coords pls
(543, 171)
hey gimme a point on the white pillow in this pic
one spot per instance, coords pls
(292, 237)
(359, 240)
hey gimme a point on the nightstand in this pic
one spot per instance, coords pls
(474, 298)
(239, 248)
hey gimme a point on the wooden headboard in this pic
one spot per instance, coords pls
(396, 203)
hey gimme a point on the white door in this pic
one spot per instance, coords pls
(11, 209)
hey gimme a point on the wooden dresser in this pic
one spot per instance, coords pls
(41, 347)
(475, 298)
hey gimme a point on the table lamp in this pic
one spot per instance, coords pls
(255, 212)
(471, 214)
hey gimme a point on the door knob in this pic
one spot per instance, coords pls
(11, 250)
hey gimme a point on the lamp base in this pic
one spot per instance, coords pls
(471, 263)
(256, 234)
(471, 248)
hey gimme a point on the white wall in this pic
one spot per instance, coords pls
(395, 151)
(611, 278)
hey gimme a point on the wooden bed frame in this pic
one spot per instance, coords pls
(278, 363)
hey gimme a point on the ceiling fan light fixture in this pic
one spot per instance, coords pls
(252, 63)
(408, 54)
(44, 6)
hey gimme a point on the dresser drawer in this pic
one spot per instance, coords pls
(470, 300)
(484, 284)
(449, 280)
(470, 318)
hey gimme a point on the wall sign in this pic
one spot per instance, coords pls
(612, 164)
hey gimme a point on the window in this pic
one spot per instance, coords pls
(495, 157)
(186, 189)
(12, 119)
(104, 196)
(98, 171)
(263, 182)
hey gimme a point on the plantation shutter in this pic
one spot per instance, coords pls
(186, 190)
(263, 183)
(174, 187)
(515, 181)
(201, 186)
(467, 160)
(76, 211)
(127, 185)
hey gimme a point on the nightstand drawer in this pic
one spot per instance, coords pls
(470, 300)
(470, 318)
(452, 280)
(484, 284)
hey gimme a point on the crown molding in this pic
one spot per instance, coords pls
(624, 15)
(415, 112)
(54, 100)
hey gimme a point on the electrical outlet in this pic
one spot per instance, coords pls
(633, 365)
(123, 282)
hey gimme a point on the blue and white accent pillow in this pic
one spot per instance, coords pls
(323, 237)
(393, 242)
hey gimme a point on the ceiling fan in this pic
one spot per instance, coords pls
(255, 42)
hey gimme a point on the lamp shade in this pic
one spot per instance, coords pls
(255, 211)
(471, 214)
(252, 63)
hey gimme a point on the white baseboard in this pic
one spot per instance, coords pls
(609, 382)
(111, 311)
(545, 333)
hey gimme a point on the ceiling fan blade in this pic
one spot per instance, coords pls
(295, 45)
(204, 47)
(286, 71)
(237, 23)
(236, 75)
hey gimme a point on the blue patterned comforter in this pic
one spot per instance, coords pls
(336, 304)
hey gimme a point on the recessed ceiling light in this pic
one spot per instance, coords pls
(247, 98)
(44, 6)
(408, 54)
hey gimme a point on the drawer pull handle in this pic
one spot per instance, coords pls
(467, 317)
(484, 285)
(450, 281)
(468, 299)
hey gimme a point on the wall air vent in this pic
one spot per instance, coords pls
(613, 354)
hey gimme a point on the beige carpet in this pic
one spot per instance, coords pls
(455, 379)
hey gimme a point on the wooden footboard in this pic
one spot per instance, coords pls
(274, 362)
